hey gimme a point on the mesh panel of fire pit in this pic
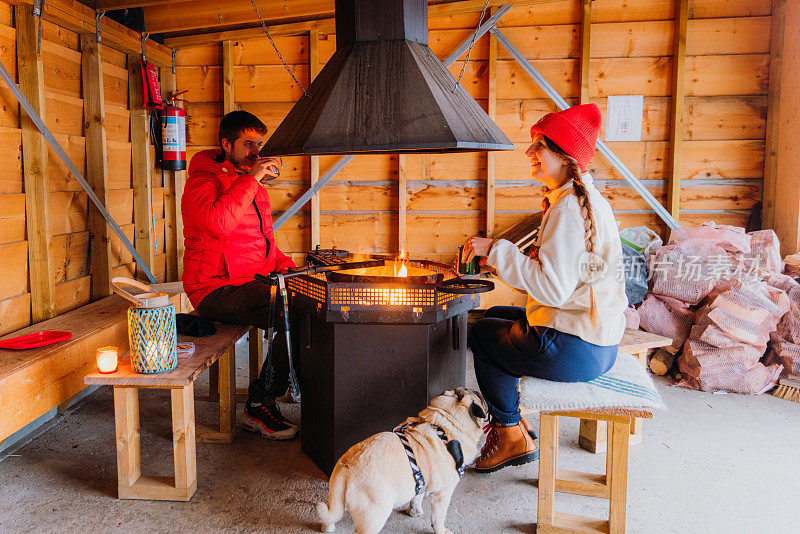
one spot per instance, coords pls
(394, 301)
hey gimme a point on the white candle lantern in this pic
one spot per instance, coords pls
(107, 359)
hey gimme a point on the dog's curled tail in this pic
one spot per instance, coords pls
(329, 514)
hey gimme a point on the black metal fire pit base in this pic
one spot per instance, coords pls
(360, 379)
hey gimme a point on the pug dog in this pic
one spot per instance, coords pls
(375, 476)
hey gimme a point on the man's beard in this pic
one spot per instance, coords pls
(243, 164)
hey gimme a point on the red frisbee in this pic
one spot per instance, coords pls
(36, 339)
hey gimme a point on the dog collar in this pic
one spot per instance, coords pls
(453, 447)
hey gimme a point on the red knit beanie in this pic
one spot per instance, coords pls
(574, 130)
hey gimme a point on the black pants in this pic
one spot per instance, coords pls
(248, 304)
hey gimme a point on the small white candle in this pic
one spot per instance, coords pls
(107, 359)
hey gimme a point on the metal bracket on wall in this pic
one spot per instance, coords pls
(37, 120)
(340, 164)
(660, 210)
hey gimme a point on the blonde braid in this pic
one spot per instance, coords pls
(590, 231)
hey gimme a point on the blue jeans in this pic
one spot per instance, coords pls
(505, 347)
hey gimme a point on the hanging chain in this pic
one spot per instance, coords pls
(98, 16)
(263, 25)
(38, 11)
(471, 44)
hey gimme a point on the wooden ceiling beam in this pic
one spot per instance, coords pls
(111, 5)
(459, 7)
(194, 14)
(326, 25)
(74, 16)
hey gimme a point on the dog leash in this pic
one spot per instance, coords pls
(419, 480)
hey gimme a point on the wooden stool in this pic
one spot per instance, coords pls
(612, 486)
(592, 433)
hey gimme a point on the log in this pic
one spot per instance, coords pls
(661, 362)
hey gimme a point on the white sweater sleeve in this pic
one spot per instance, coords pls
(555, 279)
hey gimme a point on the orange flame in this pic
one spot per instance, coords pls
(402, 271)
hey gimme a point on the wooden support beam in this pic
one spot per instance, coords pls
(776, 40)
(313, 66)
(75, 16)
(173, 193)
(228, 65)
(781, 194)
(94, 111)
(491, 164)
(172, 206)
(676, 119)
(325, 24)
(402, 201)
(140, 166)
(586, 36)
(34, 162)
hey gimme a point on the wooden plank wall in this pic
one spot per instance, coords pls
(68, 203)
(726, 80)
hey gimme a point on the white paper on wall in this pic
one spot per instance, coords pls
(624, 118)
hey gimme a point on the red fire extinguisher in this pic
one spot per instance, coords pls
(173, 134)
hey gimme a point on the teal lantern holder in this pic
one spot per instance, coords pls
(152, 335)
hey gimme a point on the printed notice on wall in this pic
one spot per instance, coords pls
(624, 118)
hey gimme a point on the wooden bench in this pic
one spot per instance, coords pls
(592, 433)
(33, 382)
(217, 349)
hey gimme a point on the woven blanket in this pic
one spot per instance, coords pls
(626, 385)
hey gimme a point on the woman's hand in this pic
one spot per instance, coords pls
(477, 246)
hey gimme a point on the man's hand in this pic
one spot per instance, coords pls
(265, 169)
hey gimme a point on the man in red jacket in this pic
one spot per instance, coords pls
(227, 228)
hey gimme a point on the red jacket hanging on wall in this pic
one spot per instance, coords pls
(227, 228)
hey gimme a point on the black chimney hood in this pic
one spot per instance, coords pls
(384, 91)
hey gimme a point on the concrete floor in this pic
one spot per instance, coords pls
(712, 463)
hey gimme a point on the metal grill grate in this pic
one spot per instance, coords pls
(384, 303)
(312, 287)
(371, 295)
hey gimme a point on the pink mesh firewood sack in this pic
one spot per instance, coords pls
(784, 353)
(765, 252)
(689, 270)
(731, 238)
(746, 311)
(789, 327)
(731, 336)
(736, 369)
(668, 317)
(631, 318)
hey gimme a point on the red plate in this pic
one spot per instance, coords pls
(37, 339)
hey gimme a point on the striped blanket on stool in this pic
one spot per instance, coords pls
(626, 385)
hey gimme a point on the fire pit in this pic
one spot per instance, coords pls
(378, 346)
(374, 294)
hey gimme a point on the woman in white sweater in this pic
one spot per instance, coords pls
(573, 322)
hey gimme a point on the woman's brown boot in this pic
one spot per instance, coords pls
(506, 445)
